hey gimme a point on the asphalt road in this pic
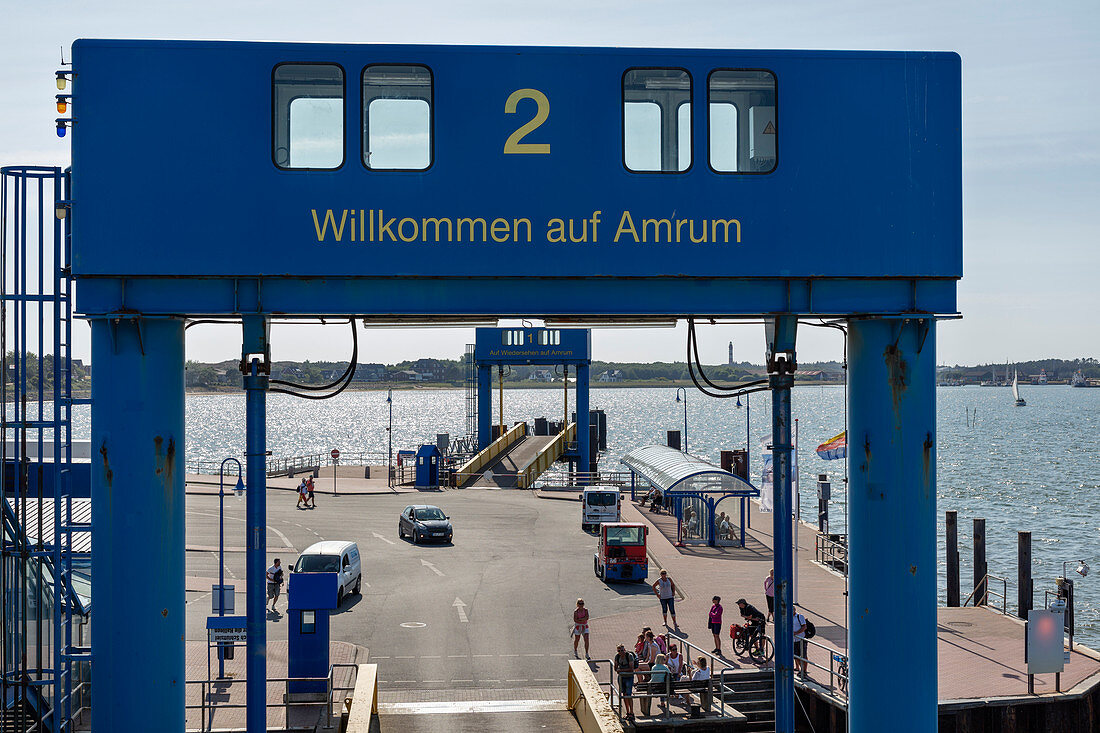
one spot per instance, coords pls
(491, 611)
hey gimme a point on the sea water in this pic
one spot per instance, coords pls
(1030, 468)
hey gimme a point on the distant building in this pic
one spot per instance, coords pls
(731, 354)
(814, 375)
(429, 369)
(613, 375)
(541, 375)
(404, 375)
(369, 373)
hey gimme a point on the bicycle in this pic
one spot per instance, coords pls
(841, 671)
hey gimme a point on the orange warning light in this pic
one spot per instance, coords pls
(62, 105)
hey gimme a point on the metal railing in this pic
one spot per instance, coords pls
(474, 466)
(526, 476)
(565, 481)
(209, 707)
(983, 592)
(837, 668)
(298, 464)
(831, 550)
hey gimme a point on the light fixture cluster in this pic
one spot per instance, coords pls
(63, 101)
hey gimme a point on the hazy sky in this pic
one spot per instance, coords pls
(1031, 137)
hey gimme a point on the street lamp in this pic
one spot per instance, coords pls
(389, 432)
(239, 491)
(685, 401)
(1082, 568)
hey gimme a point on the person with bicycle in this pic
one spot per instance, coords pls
(755, 621)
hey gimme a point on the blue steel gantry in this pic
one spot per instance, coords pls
(501, 347)
(559, 219)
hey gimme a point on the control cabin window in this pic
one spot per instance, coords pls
(657, 120)
(308, 125)
(743, 127)
(513, 337)
(397, 117)
(549, 337)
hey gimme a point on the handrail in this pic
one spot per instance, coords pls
(286, 703)
(831, 553)
(837, 673)
(478, 462)
(983, 586)
(562, 481)
(545, 457)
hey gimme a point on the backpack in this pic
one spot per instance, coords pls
(811, 630)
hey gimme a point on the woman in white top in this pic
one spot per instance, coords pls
(701, 674)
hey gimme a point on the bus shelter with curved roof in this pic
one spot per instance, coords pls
(691, 483)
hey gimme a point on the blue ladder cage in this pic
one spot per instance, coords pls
(45, 554)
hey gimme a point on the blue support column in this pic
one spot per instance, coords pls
(584, 423)
(255, 360)
(484, 406)
(138, 562)
(780, 335)
(892, 530)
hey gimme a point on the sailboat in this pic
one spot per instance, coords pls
(1016, 390)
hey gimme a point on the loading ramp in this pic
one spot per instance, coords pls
(516, 459)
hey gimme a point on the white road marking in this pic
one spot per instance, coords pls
(378, 657)
(199, 597)
(538, 655)
(559, 679)
(476, 706)
(456, 656)
(384, 538)
(459, 606)
(484, 655)
(508, 655)
(404, 657)
(432, 567)
(427, 657)
(279, 534)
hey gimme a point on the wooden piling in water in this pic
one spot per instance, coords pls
(980, 568)
(1025, 597)
(953, 559)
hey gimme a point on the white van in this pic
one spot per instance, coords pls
(333, 556)
(600, 504)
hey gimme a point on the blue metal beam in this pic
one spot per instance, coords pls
(584, 423)
(484, 406)
(509, 296)
(780, 333)
(892, 530)
(138, 502)
(255, 361)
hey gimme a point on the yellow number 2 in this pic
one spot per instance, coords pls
(513, 144)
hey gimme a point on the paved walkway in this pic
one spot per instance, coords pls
(980, 650)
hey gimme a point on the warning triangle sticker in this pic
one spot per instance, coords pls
(769, 129)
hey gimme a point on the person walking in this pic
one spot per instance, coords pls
(769, 592)
(715, 623)
(799, 626)
(580, 628)
(309, 488)
(626, 664)
(303, 495)
(274, 582)
(665, 590)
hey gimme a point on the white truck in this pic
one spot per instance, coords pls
(600, 504)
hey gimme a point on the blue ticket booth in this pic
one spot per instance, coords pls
(427, 466)
(310, 598)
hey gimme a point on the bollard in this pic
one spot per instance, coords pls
(1025, 596)
(980, 569)
(952, 559)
